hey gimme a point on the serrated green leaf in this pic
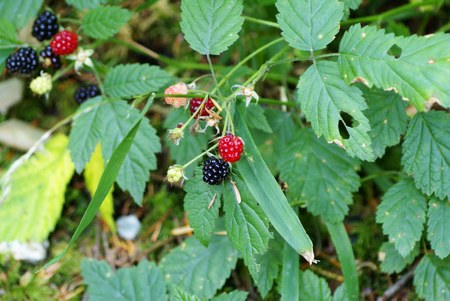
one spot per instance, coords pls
(190, 146)
(142, 282)
(35, 194)
(426, 152)
(178, 294)
(269, 264)
(321, 175)
(211, 26)
(387, 118)
(324, 97)
(392, 261)
(269, 196)
(420, 73)
(351, 4)
(8, 39)
(313, 287)
(340, 294)
(92, 175)
(432, 278)
(105, 21)
(246, 224)
(86, 4)
(402, 212)
(198, 269)
(309, 24)
(130, 80)
(232, 296)
(198, 197)
(439, 226)
(19, 12)
(289, 278)
(107, 122)
(255, 118)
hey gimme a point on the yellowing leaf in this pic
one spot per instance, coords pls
(35, 198)
(92, 174)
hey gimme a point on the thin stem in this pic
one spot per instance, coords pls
(211, 69)
(201, 155)
(63, 71)
(260, 21)
(99, 80)
(196, 113)
(70, 20)
(388, 173)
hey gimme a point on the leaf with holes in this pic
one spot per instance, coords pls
(131, 80)
(308, 24)
(211, 26)
(387, 118)
(200, 270)
(426, 152)
(321, 175)
(419, 73)
(104, 21)
(392, 261)
(107, 122)
(19, 12)
(35, 194)
(432, 278)
(199, 196)
(246, 224)
(142, 282)
(402, 213)
(313, 287)
(325, 99)
(439, 226)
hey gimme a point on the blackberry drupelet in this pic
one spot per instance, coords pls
(45, 26)
(24, 60)
(86, 92)
(215, 170)
(50, 58)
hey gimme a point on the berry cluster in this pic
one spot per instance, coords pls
(86, 92)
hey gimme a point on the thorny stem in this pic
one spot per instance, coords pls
(201, 155)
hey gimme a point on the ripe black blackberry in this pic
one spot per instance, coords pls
(45, 26)
(24, 60)
(215, 171)
(50, 58)
(86, 92)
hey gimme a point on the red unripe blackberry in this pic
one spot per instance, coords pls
(24, 61)
(195, 103)
(215, 171)
(45, 26)
(231, 148)
(64, 42)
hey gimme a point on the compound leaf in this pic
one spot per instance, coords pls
(325, 98)
(392, 261)
(432, 278)
(321, 175)
(35, 194)
(313, 287)
(426, 152)
(104, 21)
(142, 282)
(308, 24)
(198, 269)
(402, 213)
(419, 73)
(130, 80)
(19, 12)
(439, 226)
(211, 26)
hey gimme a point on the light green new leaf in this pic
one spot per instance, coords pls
(269, 196)
(178, 294)
(439, 226)
(198, 197)
(420, 73)
(392, 261)
(289, 278)
(8, 39)
(142, 282)
(200, 270)
(269, 264)
(255, 118)
(313, 287)
(309, 24)
(402, 212)
(107, 122)
(321, 175)
(387, 118)
(426, 152)
(105, 21)
(35, 198)
(246, 224)
(19, 12)
(211, 26)
(324, 96)
(131, 80)
(232, 296)
(432, 278)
